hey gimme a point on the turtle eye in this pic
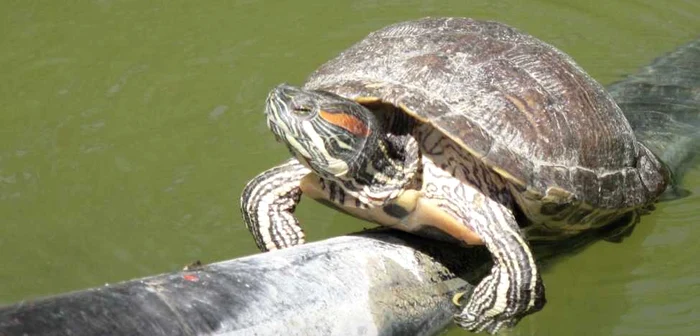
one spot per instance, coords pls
(301, 110)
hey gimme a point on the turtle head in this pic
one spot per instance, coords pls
(330, 134)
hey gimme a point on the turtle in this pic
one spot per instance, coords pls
(462, 130)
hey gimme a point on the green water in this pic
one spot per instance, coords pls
(129, 128)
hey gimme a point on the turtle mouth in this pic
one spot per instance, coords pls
(284, 133)
(276, 113)
(273, 127)
(286, 119)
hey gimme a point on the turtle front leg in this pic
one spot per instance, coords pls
(268, 202)
(479, 200)
(514, 288)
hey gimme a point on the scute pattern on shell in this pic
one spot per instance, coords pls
(520, 105)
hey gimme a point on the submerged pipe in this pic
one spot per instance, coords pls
(376, 282)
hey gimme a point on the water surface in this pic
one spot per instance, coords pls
(129, 128)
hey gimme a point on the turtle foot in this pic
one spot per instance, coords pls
(493, 306)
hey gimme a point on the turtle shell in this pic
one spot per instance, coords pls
(524, 108)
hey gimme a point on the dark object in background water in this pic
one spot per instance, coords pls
(662, 104)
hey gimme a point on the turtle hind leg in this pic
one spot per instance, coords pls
(268, 202)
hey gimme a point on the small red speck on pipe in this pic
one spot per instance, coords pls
(191, 277)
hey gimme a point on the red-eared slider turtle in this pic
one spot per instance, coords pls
(451, 127)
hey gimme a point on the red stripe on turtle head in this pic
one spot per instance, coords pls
(347, 121)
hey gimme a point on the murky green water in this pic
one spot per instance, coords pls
(128, 129)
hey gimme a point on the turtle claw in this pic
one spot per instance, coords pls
(457, 297)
